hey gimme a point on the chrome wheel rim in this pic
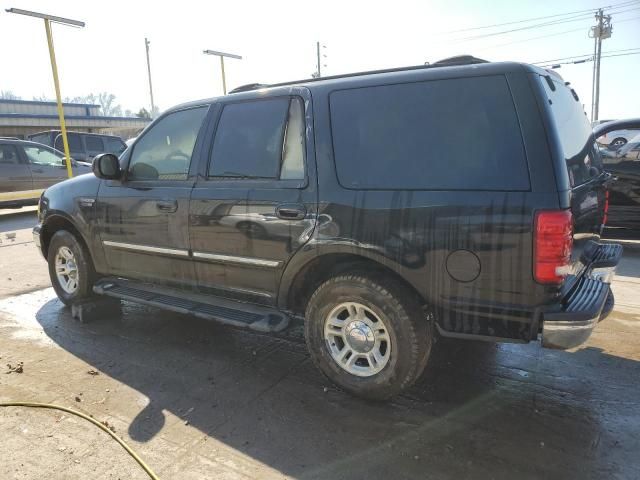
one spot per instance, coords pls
(66, 270)
(357, 339)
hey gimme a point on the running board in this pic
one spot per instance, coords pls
(243, 315)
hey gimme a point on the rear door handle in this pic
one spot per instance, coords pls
(291, 211)
(168, 206)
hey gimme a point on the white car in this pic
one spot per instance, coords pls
(617, 138)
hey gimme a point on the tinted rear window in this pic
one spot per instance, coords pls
(574, 131)
(457, 134)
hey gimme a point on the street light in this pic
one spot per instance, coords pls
(222, 55)
(48, 19)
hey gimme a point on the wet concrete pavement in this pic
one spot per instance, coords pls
(200, 400)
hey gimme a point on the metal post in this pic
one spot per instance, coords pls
(224, 80)
(56, 82)
(222, 55)
(318, 54)
(153, 107)
(597, 94)
(593, 77)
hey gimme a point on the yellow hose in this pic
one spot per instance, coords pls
(144, 466)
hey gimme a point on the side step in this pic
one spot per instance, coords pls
(244, 315)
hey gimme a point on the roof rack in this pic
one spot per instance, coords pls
(446, 62)
(248, 87)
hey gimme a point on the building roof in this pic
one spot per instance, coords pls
(38, 102)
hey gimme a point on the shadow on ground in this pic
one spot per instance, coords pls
(481, 410)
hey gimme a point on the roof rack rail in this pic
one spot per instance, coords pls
(248, 87)
(446, 62)
(460, 60)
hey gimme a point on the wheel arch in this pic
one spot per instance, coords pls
(54, 223)
(304, 275)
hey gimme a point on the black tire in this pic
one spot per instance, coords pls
(617, 143)
(410, 332)
(85, 271)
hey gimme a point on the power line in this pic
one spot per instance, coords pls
(584, 55)
(533, 38)
(547, 35)
(591, 11)
(585, 60)
(578, 18)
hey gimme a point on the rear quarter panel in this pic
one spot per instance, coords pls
(468, 253)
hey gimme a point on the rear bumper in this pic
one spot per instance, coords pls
(570, 323)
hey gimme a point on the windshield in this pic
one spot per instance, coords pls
(574, 131)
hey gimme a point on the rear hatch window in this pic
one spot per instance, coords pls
(581, 156)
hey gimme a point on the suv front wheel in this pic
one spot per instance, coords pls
(70, 268)
(371, 338)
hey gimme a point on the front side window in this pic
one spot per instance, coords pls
(164, 152)
(43, 156)
(8, 155)
(260, 139)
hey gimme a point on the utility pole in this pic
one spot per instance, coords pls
(153, 107)
(600, 32)
(319, 65)
(318, 54)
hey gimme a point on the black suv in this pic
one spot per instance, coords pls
(386, 208)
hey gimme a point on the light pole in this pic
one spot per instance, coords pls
(222, 55)
(146, 45)
(48, 19)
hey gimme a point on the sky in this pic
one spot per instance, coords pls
(277, 40)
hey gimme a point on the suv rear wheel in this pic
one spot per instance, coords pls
(70, 268)
(370, 338)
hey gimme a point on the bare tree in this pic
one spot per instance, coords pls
(9, 95)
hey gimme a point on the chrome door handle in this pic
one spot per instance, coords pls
(291, 211)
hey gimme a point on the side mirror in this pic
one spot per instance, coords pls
(106, 166)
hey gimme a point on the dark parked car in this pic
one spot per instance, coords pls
(623, 215)
(28, 168)
(82, 146)
(394, 206)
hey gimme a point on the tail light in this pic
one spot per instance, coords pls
(606, 208)
(552, 245)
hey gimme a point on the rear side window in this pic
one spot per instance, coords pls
(94, 144)
(9, 155)
(75, 144)
(260, 139)
(114, 145)
(41, 138)
(457, 134)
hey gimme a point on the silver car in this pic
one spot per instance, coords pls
(28, 168)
